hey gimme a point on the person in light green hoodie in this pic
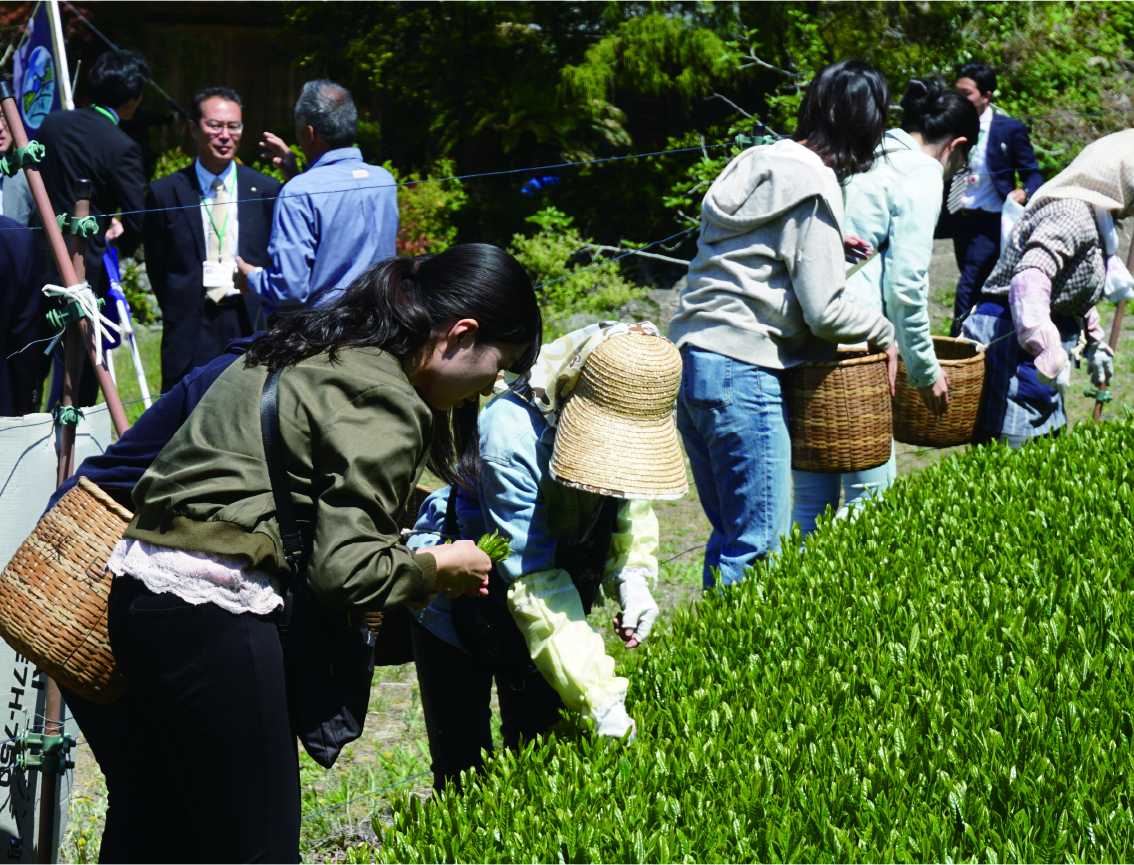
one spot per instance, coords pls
(894, 208)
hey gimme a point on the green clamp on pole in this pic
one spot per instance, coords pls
(60, 318)
(745, 141)
(67, 415)
(54, 752)
(1098, 395)
(31, 155)
(86, 226)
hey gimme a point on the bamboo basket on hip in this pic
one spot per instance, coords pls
(841, 417)
(54, 592)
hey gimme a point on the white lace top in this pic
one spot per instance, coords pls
(196, 578)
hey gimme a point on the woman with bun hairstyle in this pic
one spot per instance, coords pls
(372, 388)
(766, 292)
(893, 208)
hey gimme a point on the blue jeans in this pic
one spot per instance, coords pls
(733, 421)
(813, 491)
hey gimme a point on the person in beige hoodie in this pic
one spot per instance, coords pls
(765, 292)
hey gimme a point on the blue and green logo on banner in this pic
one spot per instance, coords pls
(36, 73)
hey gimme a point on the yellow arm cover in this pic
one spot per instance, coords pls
(565, 647)
(634, 543)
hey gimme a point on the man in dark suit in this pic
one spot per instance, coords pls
(19, 318)
(1002, 165)
(87, 143)
(220, 210)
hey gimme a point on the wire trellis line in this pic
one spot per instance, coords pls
(346, 189)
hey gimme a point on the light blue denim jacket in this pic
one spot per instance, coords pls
(520, 499)
(330, 224)
(898, 199)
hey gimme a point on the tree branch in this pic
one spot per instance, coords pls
(730, 102)
(598, 247)
(756, 61)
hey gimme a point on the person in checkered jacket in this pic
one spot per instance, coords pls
(1060, 261)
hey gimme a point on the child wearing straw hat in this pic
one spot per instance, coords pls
(1061, 259)
(570, 459)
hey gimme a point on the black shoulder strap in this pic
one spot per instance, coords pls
(450, 528)
(277, 470)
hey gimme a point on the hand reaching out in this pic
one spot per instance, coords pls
(281, 155)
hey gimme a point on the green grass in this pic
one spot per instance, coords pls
(948, 677)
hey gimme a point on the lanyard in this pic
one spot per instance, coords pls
(107, 114)
(219, 232)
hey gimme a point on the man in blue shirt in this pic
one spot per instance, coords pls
(335, 219)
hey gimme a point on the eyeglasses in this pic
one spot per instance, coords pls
(218, 125)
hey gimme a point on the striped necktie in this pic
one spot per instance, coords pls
(220, 245)
(957, 191)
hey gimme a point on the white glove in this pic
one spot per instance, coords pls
(612, 721)
(1119, 283)
(1100, 364)
(639, 609)
(1061, 382)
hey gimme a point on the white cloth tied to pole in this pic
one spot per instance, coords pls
(84, 296)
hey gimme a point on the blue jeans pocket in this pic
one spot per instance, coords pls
(706, 379)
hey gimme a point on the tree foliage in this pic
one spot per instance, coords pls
(500, 87)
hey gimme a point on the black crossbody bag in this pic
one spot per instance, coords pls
(328, 655)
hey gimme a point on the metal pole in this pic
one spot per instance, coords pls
(1115, 332)
(62, 257)
(60, 53)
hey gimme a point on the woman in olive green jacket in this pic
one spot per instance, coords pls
(374, 387)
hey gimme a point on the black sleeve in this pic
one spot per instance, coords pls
(1024, 160)
(130, 190)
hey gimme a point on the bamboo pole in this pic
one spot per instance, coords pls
(73, 363)
(61, 255)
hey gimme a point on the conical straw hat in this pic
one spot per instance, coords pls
(616, 435)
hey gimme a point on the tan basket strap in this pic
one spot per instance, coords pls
(103, 499)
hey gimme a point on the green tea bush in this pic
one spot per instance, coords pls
(947, 677)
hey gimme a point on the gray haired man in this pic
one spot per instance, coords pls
(334, 220)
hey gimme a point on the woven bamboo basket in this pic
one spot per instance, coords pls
(391, 628)
(839, 414)
(963, 362)
(54, 591)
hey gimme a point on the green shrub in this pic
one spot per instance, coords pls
(170, 162)
(426, 210)
(559, 262)
(947, 677)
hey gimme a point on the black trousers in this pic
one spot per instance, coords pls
(211, 685)
(976, 247)
(456, 696)
(144, 810)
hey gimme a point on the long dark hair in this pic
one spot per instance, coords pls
(938, 114)
(397, 306)
(843, 116)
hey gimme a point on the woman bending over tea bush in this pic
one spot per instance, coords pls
(1061, 259)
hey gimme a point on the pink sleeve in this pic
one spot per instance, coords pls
(1095, 332)
(1029, 298)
